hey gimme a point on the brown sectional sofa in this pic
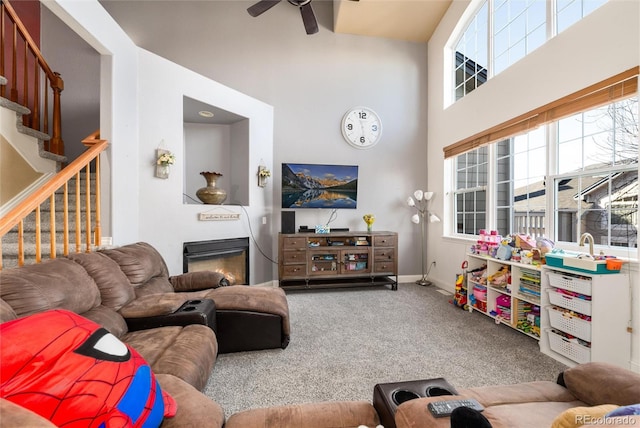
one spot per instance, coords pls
(132, 282)
(537, 404)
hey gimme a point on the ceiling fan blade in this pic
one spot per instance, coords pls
(309, 18)
(261, 7)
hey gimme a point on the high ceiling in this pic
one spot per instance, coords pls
(411, 20)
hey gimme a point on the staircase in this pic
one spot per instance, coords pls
(76, 234)
(59, 212)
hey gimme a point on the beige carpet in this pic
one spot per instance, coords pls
(345, 341)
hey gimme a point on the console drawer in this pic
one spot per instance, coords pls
(291, 257)
(294, 271)
(294, 243)
(384, 240)
(382, 254)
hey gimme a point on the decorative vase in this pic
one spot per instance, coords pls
(211, 194)
(369, 219)
(162, 171)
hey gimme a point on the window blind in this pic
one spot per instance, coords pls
(618, 87)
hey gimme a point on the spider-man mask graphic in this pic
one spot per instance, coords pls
(76, 374)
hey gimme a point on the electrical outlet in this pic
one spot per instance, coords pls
(264, 220)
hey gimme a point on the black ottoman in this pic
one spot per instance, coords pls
(388, 396)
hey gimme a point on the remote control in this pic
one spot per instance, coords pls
(440, 409)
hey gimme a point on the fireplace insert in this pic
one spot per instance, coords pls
(227, 256)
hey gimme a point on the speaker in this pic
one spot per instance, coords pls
(288, 222)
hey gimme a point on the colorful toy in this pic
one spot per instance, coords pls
(75, 373)
(504, 250)
(460, 296)
(500, 277)
(545, 245)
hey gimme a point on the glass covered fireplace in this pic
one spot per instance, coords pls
(227, 256)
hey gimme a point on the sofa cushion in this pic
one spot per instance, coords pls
(579, 416)
(144, 267)
(115, 288)
(6, 312)
(602, 383)
(528, 392)
(268, 300)
(194, 409)
(109, 319)
(328, 414)
(53, 284)
(188, 353)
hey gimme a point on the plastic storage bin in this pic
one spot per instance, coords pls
(573, 351)
(570, 282)
(570, 324)
(572, 303)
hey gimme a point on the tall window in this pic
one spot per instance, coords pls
(471, 56)
(471, 191)
(520, 184)
(596, 184)
(593, 180)
(519, 27)
(510, 29)
(568, 12)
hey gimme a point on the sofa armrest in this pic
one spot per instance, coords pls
(196, 311)
(14, 415)
(153, 305)
(198, 280)
(602, 383)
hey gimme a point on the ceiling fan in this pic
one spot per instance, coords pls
(308, 17)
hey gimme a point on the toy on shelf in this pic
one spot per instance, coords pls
(504, 251)
(502, 277)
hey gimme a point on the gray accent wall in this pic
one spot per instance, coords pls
(310, 81)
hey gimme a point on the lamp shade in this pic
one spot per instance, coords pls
(434, 218)
(411, 202)
(415, 218)
(418, 195)
(427, 196)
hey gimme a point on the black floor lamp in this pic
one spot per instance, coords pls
(421, 204)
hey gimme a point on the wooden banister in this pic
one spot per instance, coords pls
(93, 234)
(39, 116)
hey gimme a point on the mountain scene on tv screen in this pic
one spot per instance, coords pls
(319, 186)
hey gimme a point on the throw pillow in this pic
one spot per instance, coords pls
(75, 373)
(580, 416)
(633, 409)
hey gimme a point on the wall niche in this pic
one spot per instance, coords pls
(215, 140)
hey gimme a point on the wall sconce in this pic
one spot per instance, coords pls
(421, 203)
(164, 159)
(263, 174)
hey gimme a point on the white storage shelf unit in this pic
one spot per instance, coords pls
(586, 317)
(522, 292)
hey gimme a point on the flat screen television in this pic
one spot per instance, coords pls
(307, 185)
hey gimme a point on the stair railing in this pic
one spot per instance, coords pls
(24, 86)
(75, 170)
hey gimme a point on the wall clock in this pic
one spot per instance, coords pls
(361, 127)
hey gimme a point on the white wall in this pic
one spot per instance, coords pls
(599, 46)
(165, 221)
(141, 101)
(311, 81)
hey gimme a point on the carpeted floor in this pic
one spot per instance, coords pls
(345, 341)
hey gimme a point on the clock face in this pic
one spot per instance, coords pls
(361, 127)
